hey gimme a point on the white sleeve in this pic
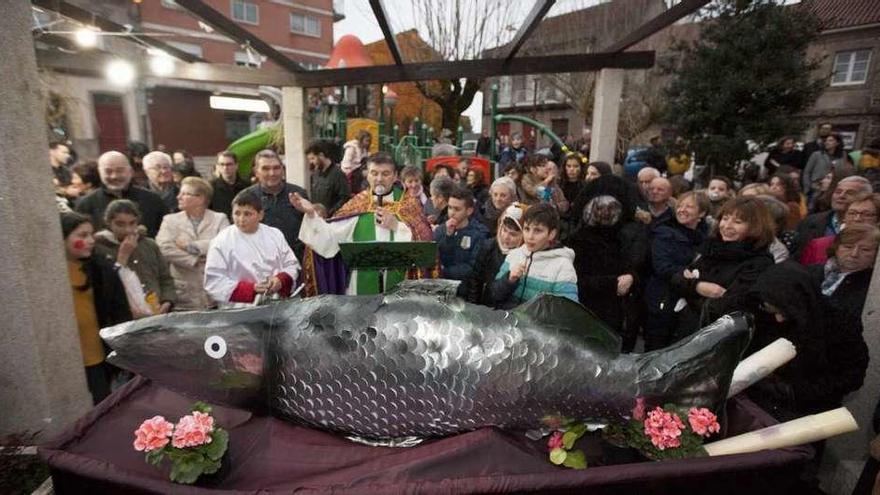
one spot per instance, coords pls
(289, 263)
(323, 237)
(218, 284)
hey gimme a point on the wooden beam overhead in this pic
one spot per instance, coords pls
(483, 68)
(539, 10)
(228, 27)
(381, 14)
(680, 10)
(84, 16)
(92, 64)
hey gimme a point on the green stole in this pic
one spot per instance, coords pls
(365, 231)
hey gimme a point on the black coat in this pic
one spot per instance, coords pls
(152, 208)
(111, 306)
(733, 265)
(845, 305)
(601, 255)
(831, 357)
(489, 261)
(279, 213)
(221, 200)
(673, 246)
(330, 188)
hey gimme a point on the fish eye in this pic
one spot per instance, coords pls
(215, 346)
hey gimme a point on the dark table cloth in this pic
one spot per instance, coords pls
(267, 455)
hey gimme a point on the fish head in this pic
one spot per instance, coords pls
(218, 357)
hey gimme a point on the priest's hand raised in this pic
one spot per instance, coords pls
(301, 203)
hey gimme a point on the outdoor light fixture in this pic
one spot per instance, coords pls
(161, 64)
(238, 104)
(120, 73)
(86, 36)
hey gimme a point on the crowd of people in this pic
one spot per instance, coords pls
(655, 257)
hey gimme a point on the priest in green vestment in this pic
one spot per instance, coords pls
(383, 212)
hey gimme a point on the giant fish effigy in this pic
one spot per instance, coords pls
(420, 362)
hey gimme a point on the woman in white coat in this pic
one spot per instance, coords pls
(184, 238)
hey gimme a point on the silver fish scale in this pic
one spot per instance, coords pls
(437, 373)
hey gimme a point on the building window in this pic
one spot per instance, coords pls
(519, 89)
(559, 127)
(851, 67)
(237, 125)
(305, 24)
(245, 59)
(191, 48)
(245, 12)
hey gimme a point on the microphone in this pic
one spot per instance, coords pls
(379, 190)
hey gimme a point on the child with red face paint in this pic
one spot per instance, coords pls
(98, 298)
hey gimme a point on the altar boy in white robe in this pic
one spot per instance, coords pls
(249, 258)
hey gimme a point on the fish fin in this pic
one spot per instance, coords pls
(697, 370)
(442, 288)
(571, 319)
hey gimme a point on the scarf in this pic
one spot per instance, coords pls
(833, 277)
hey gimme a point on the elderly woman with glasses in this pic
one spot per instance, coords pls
(864, 210)
(184, 239)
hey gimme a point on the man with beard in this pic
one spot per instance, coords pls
(116, 183)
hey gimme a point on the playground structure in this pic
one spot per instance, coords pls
(329, 120)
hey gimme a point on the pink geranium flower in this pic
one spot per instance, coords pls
(193, 430)
(555, 441)
(703, 422)
(663, 428)
(152, 434)
(638, 412)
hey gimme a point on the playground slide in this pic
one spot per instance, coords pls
(247, 146)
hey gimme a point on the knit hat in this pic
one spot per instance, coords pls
(515, 213)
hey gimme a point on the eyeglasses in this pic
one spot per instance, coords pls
(861, 213)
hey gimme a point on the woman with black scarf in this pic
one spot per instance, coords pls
(718, 280)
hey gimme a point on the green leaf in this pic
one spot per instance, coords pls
(568, 439)
(155, 457)
(575, 460)
(579, 429)
(557, 456)
(185, 472)
(211, 467)
(202, 407)
(218, 445)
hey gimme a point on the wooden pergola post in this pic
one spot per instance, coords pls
(41, 366)
(294, 113)
(606, 114)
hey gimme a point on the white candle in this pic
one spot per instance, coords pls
(796, 432)
(760, 364)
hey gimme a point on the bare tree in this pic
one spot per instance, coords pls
(459, 30)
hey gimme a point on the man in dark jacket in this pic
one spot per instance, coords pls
(116, 174)
(226, 184)
(329, 186)
(274, 192)
(817, 144)
(459, 238)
